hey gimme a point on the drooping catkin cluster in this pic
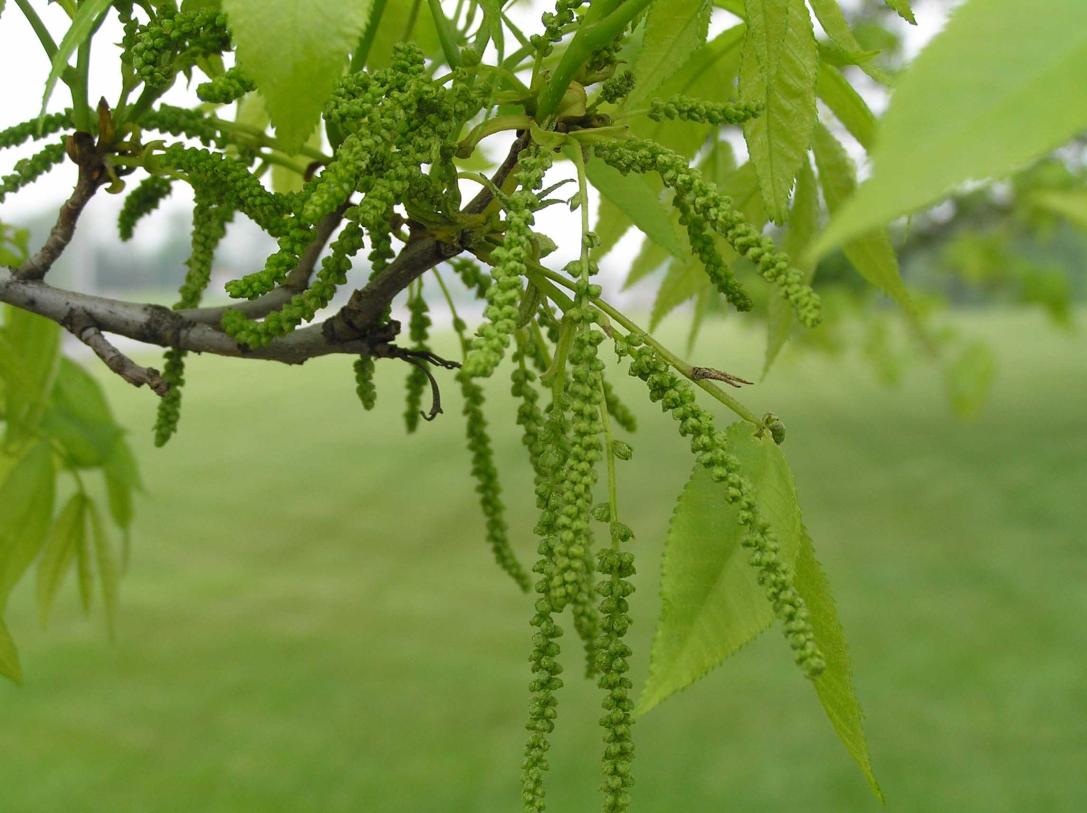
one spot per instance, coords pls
(418, 331)
(508, 267)
(142, 201)
(710, 448)
(208, 229)
(704, 204)
(617, 87)
(688, 109)
(394, 122)
(186, 123)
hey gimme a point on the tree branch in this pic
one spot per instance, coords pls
(161, 326)
(84, 328)
(82, 151)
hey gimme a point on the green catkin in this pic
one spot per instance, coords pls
(487, 486)
(225, 88)
(142, 201)
(545, 648)
(304, 306)
(617, 88)
(208, 230)
(182, 122)
(30, 130)
(508, 267)
(230, 183)
(475, 279)
(706, 204)
(418, 330)
(710, 448)
(616, 567)
(688, 109)
(702, 245)
(619, 411)
(364, 382)
(28, 170)
(529, 416)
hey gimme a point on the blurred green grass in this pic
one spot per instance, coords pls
(311, 621)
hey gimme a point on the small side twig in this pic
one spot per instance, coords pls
(84, 328)
(82, 151)
(703, 373)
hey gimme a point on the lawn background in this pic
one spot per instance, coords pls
(312, 622)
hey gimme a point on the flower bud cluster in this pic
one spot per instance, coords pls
(710, 448)
(28, 170)
(508, 267)
(226, 88)
(142, 201)
(555, 24)
(707, 205)
(172, 42)
(617, 87)
(688, 109)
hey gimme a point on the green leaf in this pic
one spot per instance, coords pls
(777, 72)
(803, 225)
(674, 30)
(683, 281)
(447, 36)
(295, 51)
(969, 379)
(36, 343)
(491, 29)
(1003, 84)
(122, 481)
(902, 9)
(639, 201)
(846, 104)
(64, 542)
(833, 20)
(9, 656)
(711, 601)
(393, 28)
(84, 22)
(26, 508)
(611, 224)
(835, 685)
(79, 418)
(871, 254)
(107, 566)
